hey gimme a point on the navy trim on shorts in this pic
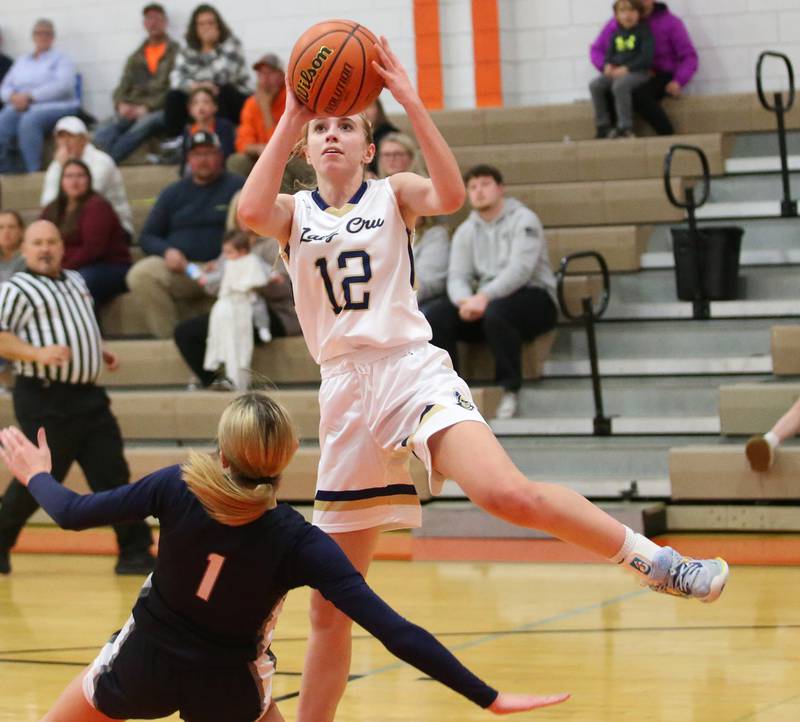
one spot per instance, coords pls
(357, 494)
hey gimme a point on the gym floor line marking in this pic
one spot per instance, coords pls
(59, 663)
(496, 632)
(493, 636)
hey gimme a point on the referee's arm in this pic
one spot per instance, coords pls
(14, 348)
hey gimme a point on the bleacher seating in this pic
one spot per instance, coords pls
(590, 195)
(786, 350)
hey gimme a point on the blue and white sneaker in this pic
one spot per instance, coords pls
(702, 579)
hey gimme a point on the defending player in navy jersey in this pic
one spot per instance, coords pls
(386, 392)
(198, 639)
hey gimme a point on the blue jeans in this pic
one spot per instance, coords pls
(28, 129)
(105, 280)
(121, 136)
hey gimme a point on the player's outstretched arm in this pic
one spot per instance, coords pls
(321, 563)
(444, 193)
(511, 703)
(260, 206)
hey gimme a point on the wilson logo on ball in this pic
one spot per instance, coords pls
(308, 75)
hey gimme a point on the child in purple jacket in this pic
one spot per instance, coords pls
(626, 66)
(674, 62)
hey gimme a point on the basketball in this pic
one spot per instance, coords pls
(331, 68)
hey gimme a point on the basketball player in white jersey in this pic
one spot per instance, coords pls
(386, 392)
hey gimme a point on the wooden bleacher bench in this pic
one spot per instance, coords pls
(690, 114)
(621, 246)
(754, 408)
(170, 415)
(722, 473)
(297, 481)
(595, 160)
(785, 342)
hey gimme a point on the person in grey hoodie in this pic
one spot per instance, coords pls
(500, 287)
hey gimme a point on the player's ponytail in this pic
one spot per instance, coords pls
(257, 440)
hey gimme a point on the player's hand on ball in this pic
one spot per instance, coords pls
(23, 458)
(511, 703)
(393, 73)
(295, 110)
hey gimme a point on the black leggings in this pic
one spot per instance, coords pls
(190, 338)
(507, 322)
(176, 112)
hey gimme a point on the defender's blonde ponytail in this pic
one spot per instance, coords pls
(257, 439)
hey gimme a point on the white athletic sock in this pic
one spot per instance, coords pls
(636, 553)
(772, 440)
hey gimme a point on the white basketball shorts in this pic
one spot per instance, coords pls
(376, 409)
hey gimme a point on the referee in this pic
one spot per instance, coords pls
(48, 328)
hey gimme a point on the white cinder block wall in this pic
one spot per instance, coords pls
(544, 43)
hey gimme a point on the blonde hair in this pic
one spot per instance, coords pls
(302, 142)
(257, 439)
(409, 145)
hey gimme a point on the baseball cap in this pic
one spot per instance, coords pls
(203, 137)
(269, 59)
(71, 124)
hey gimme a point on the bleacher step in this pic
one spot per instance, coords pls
(631, 425)
(733, 518)
(753, 408)
(785, 345)
(721, 472)
(192, 416)
(465, 520)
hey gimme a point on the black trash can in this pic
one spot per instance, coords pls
(718, 265)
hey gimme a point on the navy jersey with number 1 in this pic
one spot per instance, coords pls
(215, 587)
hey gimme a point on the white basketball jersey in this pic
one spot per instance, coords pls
(352, 271)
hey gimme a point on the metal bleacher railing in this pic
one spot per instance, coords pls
(780, 108)
(590, 314)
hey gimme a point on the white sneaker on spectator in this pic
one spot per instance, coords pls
(172, 143)
(507, 407)
(265, 335)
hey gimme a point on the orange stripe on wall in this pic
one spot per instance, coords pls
(486, 47)
(429, 53)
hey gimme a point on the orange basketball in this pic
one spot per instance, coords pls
(331, 68)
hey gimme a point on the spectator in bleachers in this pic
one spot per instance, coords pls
(626, 66)
(95, 243)
(72, 143)
(499, 284)
(184, 228)
(139, 96)
(238, 313)
(203, 116)
(212, 58)
(191, 335)
(381, 126)
(260, 114)
(760, 450)
(39, 89)
(5, 65)
(11, 229)
(398, 153)
(675, 62)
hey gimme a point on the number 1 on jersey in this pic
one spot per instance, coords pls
(215, 562)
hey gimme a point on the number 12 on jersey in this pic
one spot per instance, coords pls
(348, 281)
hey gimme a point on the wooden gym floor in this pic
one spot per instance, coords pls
(624, 653)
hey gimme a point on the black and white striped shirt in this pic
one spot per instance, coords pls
(43, 311)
